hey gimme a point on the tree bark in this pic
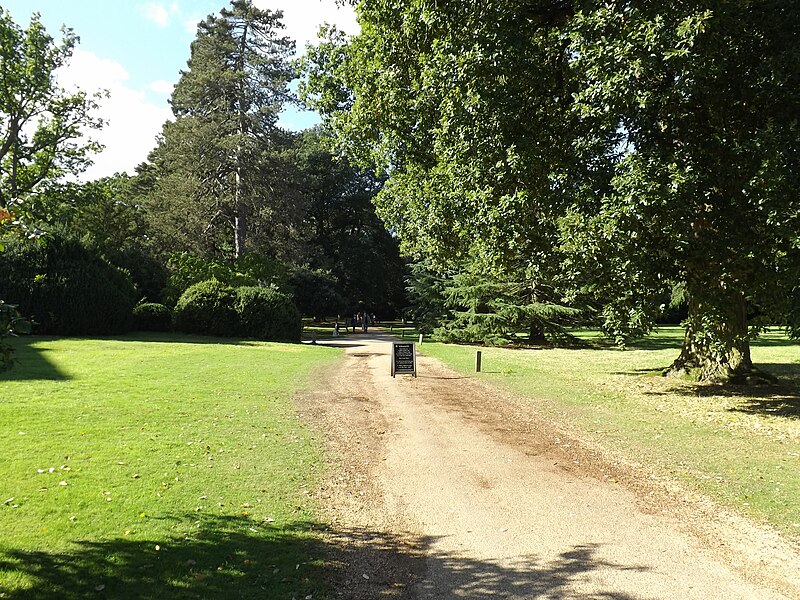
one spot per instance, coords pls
(536, 335)
(239, 218)
(716, 346)
(239, 209)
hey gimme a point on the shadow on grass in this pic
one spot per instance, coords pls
(778, 400)
(185, 338)
(223, 560)
(31, 362)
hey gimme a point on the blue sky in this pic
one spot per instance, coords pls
(135, 49)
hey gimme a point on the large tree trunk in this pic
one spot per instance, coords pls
(536, 335)
(240, 217)
(239, 209)
(716, 346)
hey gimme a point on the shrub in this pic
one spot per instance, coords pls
(11, 323)
(207, 308)
(250, 270)
(66, 287)
(267, 314)
(148, 274)
(151, 316)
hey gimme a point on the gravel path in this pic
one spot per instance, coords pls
(442, 488)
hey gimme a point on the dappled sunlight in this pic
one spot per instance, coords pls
(224, 557)
(370, 564)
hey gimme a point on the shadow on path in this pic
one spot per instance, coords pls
(224, 559)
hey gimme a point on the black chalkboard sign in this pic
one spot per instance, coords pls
(404, 358)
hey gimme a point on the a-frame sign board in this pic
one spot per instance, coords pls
(404, 358)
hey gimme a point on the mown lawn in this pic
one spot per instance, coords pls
(157, 466)
(740, 445)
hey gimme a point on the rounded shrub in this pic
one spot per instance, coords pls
(267, 314)
(207, 308)
(151, 316)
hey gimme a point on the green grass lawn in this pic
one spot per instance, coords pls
(740, 445)
(157, 466)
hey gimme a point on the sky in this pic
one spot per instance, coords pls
(136, 49)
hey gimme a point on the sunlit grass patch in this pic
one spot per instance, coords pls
(172, 463)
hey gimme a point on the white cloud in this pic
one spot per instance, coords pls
(190, 23)
(157, 13)
(303, 18)
(135, 116)
(132, 122)
(161, 87)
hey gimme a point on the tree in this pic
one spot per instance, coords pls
(42, 124)
(39, 136)
(106, 213)
(343, 234)
(212, 166)
(696, 105)
(472, 172)
(607, 151)
(499, 312)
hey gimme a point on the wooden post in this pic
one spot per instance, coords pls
(313, 337)
(478, 361)
(420, 338)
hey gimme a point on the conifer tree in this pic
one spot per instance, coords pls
(213, 166)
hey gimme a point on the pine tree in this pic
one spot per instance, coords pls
(213, 160)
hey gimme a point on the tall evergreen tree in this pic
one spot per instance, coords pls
(212, 162)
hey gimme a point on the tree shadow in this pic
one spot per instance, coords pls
(656, 342)
(186, 338)
(223, 560)
(772, 340)
(778, 400)
(31, 363)
(224, 557)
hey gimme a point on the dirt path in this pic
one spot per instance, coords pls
(441, 488)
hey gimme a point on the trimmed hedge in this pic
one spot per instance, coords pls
(151, 316)
(267, 314)
(207, 308)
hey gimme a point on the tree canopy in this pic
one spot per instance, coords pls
(214, 159)
(42, 123)
(608, 152)
(41, 129)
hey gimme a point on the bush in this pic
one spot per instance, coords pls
(151, 316)
(11, 323)
(66, 287)
(207, 308)
(187, 270)
(267, 314)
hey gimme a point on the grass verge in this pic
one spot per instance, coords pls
(740, 445)
(157, 466)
